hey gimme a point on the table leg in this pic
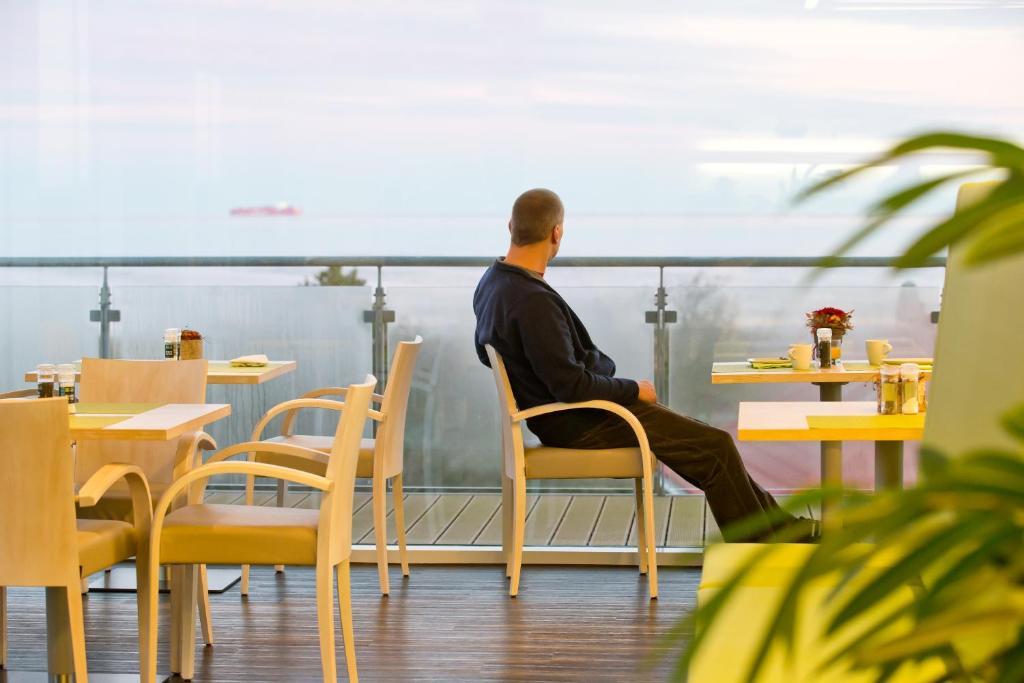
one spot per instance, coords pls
(831, 454)
(888, 465)
(59, 659)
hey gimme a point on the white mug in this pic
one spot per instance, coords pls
(800, 354)
(878, 349)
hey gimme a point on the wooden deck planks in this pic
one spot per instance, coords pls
(545, 517)
(579, 521)
(471, 521)
(437, 519)
(662, 505)
(552, 519)
(614, 522)
(686, 522)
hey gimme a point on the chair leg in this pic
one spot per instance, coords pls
(245, 580)
(76, 623)
(380, 530)
(183, 621)
(147, 670)
(345, 606)
(203, 598)
(652, 548)
(282, 494)
(325, 618)
(399, 496)
(641, 529)
(518, 533)
(3, 627)
(143, 595)
(506, 522)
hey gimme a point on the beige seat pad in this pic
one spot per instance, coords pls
(571, 463)
(239, 534)
(103, 543)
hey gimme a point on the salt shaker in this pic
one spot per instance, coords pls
(172, 342)
(910, 377)
(45, 377)
(824, 338)
(66, 376)
(889, 390)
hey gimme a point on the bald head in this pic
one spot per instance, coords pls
(534, 215)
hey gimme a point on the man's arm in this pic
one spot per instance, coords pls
(547, 344)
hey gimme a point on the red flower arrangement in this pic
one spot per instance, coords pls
(836, 319)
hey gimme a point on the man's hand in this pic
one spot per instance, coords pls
(647, 394)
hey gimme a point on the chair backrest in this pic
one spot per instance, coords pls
(341, 469)
(511, 433)
(138, 381)
(38, 543)
(390, 445)
(979, 364)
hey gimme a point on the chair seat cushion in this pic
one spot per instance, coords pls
(103, 543)
(571, 463)
(319, 465)
(239, 534)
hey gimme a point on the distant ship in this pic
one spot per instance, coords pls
(279, 209)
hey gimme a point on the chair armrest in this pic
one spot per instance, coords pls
(621, 411)
(292, 405)
(198, 491)
(289, 419)
(99, 483)
(257, 469)
(199, 442)
(20, 393)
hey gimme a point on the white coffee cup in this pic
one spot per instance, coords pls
(878, 349)
(800, 354)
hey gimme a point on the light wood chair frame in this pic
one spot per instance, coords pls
(388, 457)
(514, 477)
(334, 530)
(63, 571)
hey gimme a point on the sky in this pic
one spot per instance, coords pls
(130, 117)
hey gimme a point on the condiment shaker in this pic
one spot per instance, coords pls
(910, 376)
(45, 377)
(889, 390)
(172, 343)
(66, 376)
(824, 346)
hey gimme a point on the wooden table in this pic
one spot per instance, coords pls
(835, 423)
(219, 372)
(118, 421)
(830, 382)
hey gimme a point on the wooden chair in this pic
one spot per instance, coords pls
(521, 464)
(381, 458)
(145, 381)
(247, 534)
(19, 393)
(41, 541)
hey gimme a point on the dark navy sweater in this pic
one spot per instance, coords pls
(547, 351)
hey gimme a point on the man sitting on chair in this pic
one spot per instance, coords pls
(550, 358)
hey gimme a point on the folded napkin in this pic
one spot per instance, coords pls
(257, 360)
(770, 363)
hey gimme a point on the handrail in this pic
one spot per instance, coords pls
(446, 261)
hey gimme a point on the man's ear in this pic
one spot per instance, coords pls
(510, 227)
(556, 234)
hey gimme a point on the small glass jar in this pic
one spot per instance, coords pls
(45, 379)
(66, 377)
(823, 337)
(889, 390)
(910, 388)
(172, 343)
(922, 395)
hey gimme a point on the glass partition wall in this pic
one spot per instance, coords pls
(452, 470)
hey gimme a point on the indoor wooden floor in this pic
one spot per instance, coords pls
(445, 623)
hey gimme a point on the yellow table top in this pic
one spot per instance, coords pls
(741, 373)
(824, 421)
(221, 372)
(141, 422)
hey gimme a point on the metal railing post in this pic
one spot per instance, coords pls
(104, 316)
(661, 317)
(379, 316)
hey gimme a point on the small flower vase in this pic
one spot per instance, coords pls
(837, 344)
